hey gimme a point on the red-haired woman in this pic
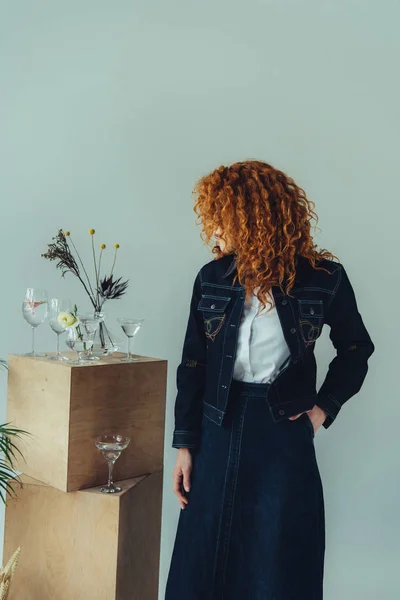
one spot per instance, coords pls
(252, 522)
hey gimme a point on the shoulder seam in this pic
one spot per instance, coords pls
(334, 292)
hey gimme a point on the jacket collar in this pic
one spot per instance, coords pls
(233, 266)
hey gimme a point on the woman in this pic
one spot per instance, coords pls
(252, 521)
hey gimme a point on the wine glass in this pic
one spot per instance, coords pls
(35, 309)
(130, 327)
(91, 322)
(80, 339)
(58, 306)
(111, 447)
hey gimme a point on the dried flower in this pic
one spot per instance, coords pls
(112, 289)
(59, 250)
(7, 572)
(103, 289)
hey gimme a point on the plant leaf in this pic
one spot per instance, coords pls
(110, 288)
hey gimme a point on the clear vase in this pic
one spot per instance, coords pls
(105, 341)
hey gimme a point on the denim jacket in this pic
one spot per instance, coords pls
(205, 372)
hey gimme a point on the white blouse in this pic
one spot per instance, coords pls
(262, 349)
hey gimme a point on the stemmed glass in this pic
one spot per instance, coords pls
(58, 306)
(80, 339)
(111, 447)
(91, 322)
(130, 327)
(35, 309)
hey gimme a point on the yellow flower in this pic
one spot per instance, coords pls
(67, 234)
(116, 245)
(68, 320)
(102, 246)
(91, 231)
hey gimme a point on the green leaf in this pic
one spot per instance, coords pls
(9, 452)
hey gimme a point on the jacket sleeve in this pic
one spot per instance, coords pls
(190, 377)
(348, 369)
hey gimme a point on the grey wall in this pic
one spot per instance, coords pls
(109, 113)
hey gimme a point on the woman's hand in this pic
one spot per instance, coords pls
(181, 475)
(317, 416)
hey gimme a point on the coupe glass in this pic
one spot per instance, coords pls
(91, 322)
(35, 308)
(130, 327)
(80, 339)
(111, 447)
(56, 307)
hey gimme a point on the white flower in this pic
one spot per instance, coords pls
(68, 320)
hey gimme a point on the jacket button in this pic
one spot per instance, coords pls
(281, 412)
(293, 330)
(212, 306)
(284, 302)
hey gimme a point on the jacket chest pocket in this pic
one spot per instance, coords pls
(213, 309)
(311, 319)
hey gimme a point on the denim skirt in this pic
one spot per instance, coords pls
(254, 526)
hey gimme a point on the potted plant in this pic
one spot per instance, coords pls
(8, 477)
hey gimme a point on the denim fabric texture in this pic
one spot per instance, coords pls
(204, 375)
(254, 526)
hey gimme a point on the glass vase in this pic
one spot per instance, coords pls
(105, 341)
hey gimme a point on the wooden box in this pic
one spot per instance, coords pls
(65, 406)
(85, 545)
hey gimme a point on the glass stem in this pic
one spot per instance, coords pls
(110, 474)
(58, 344)
(33, 340)
(129, 348)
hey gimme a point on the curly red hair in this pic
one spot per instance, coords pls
(266, 214)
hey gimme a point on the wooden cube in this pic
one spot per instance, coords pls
(85, 545)
(65, 406)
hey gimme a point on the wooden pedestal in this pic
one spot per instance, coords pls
(64, 407)
(85, 545)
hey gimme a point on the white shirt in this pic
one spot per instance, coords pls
(262, 349)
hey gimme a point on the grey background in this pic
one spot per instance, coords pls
(109, 113)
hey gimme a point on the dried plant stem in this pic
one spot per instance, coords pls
(95, 271)
(6, 574)
(87, 291)
(115, 258)
(98, 270)
(84, 270)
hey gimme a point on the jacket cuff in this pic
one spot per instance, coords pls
(185, 439)
(331, 406)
